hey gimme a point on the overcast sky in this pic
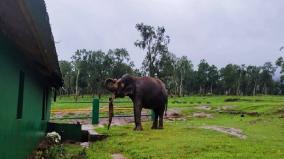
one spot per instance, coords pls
(220, 31)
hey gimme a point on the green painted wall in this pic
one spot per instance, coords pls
(18, 137)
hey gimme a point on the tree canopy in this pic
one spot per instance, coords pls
(88, 69)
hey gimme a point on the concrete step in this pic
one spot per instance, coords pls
(92, 135)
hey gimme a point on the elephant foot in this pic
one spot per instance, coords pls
(138, 128)
(160, 127)
(154, 127)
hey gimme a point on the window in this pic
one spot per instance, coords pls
(44, 103)
(21, 95)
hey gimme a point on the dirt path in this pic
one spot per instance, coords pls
(203, 107)
(231, 131)
(122, 120)
(70, 117)
(202, 115)
(118, 156)
(83, 116)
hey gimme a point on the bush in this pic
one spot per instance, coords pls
(49, 148)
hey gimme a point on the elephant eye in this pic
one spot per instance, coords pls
(121, 85)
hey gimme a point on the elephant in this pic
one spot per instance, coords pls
(145, 92)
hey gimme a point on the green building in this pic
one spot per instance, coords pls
(29, 74)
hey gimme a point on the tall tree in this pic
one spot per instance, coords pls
(280, 63)
(184, 68)
(97, 70)
(167, 70)
(243, 81)
(66, 71)
(230, 76)
(202, 75)
(79, 61)
(155, 42)
(213, 77)
(267, 73)
(253, 73)
(121, 63)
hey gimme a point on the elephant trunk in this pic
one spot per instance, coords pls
(110, 112)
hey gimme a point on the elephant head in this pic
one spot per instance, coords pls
(121, 87)
(111, 84)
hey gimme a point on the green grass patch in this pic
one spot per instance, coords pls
(186, 139)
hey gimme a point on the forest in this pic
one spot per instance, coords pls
(87, 70)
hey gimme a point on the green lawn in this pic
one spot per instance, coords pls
(68, 102)
(186, 139)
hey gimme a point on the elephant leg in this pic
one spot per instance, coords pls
(161, 117)
(137, 117)
(155, 122)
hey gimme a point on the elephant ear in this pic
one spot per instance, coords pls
(129, 89)
(110, 84)
(127, 85)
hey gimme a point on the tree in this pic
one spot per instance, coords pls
(280, 63)
(155, 42)
(243, 81)
(253, 73)
(266, 75)
(167, 70)
(97, 70)
(230, 77)
(79, 61)
(202, 75)
(120, 62)
(184, 68)
(213, 77)
(66, 71)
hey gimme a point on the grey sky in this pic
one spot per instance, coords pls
(220, 31)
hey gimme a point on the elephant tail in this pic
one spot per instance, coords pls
(166, 108)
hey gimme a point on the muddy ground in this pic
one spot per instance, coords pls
(172, 115)
(84, 117)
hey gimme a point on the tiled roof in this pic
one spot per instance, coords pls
(26, 23)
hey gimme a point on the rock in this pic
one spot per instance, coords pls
(118, 156)
(85, 144)
(173, 113)
(203, 107)
(202, 115)
(227, 107)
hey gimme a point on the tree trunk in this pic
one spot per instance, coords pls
(151, 62)
(254, 89)
(180, 86)
(176, 87)
(77, 82)
(238, 88)
(211, 88)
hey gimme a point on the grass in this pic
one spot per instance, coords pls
(68, 102)
(185, 139)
